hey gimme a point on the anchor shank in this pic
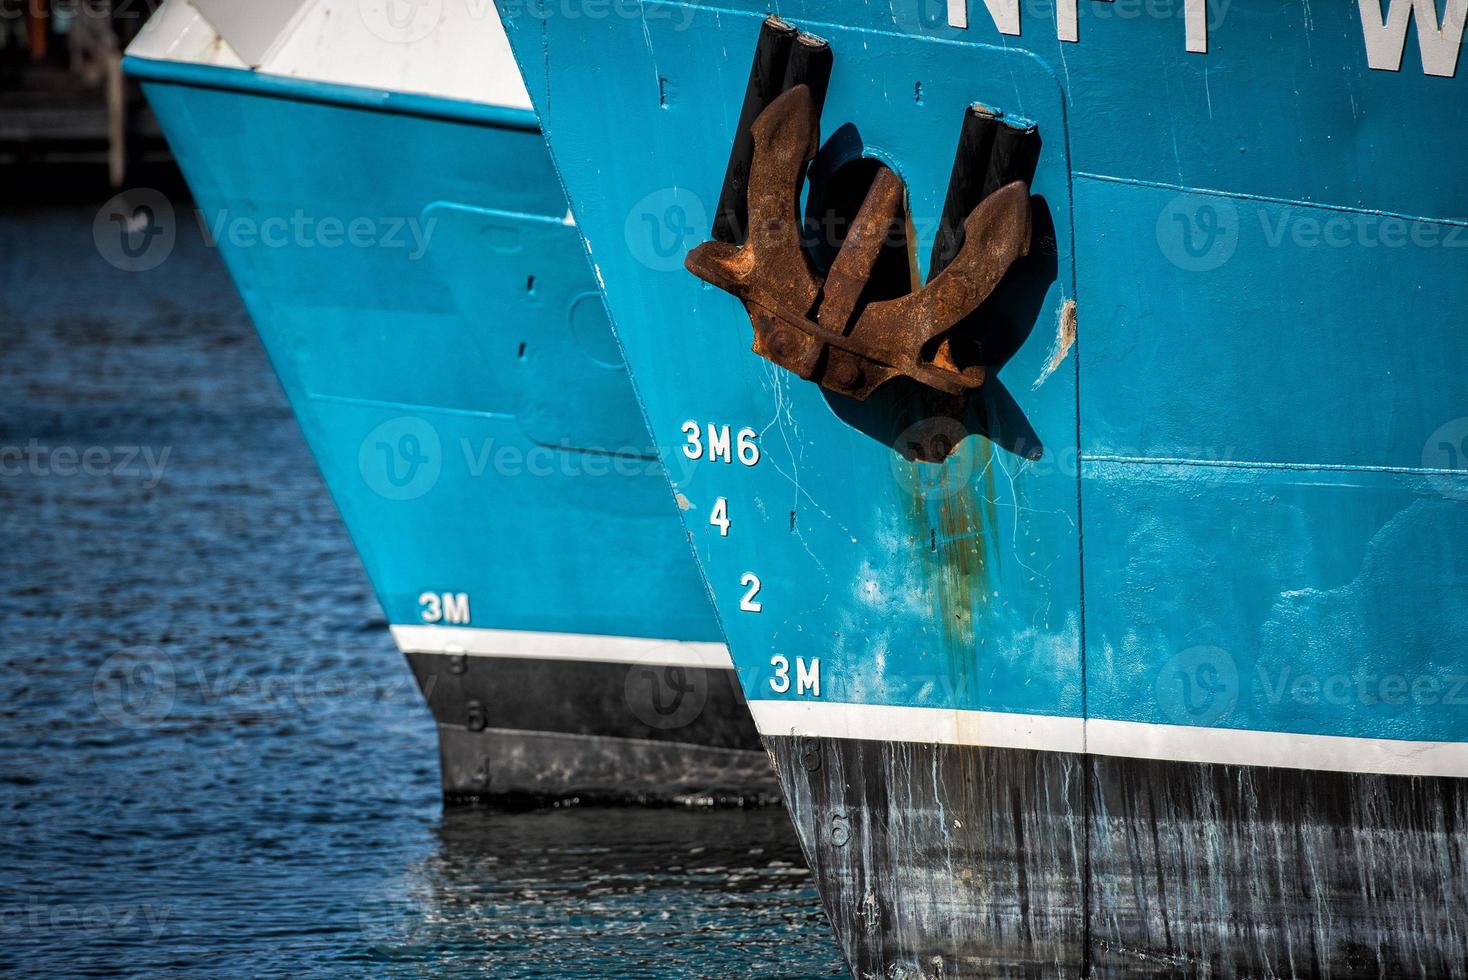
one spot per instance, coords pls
(863, 244)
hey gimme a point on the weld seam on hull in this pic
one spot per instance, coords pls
(1241, 464)
(1265, 199)
(411, 407)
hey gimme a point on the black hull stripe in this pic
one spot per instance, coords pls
(961, 861)
(557, 729)
(518, 766)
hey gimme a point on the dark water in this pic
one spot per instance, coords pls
(213, 762)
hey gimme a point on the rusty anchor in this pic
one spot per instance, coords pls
(814, 327)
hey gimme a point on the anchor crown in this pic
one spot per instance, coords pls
(813, 326)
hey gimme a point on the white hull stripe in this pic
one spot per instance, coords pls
(1125, 739)
(927, 725)
(531, 645)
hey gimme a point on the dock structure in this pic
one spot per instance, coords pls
(63, 97)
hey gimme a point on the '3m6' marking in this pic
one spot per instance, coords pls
(723, 444)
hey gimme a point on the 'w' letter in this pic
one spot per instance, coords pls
(1386, 39)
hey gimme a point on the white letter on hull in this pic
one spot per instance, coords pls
(1195, 20)
(808, 678)
(456, 607)
(1386, 39)
(1067, 26)
(1004, 12)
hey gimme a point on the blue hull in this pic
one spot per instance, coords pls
(429, 312)
(1161, 672)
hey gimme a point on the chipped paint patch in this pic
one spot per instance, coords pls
(1065, 339)
(683, 502)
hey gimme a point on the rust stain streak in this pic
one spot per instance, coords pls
(953, 533)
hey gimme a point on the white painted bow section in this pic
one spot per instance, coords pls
(252, 29)
(452, 50)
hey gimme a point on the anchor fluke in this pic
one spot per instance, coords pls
(816, 326)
